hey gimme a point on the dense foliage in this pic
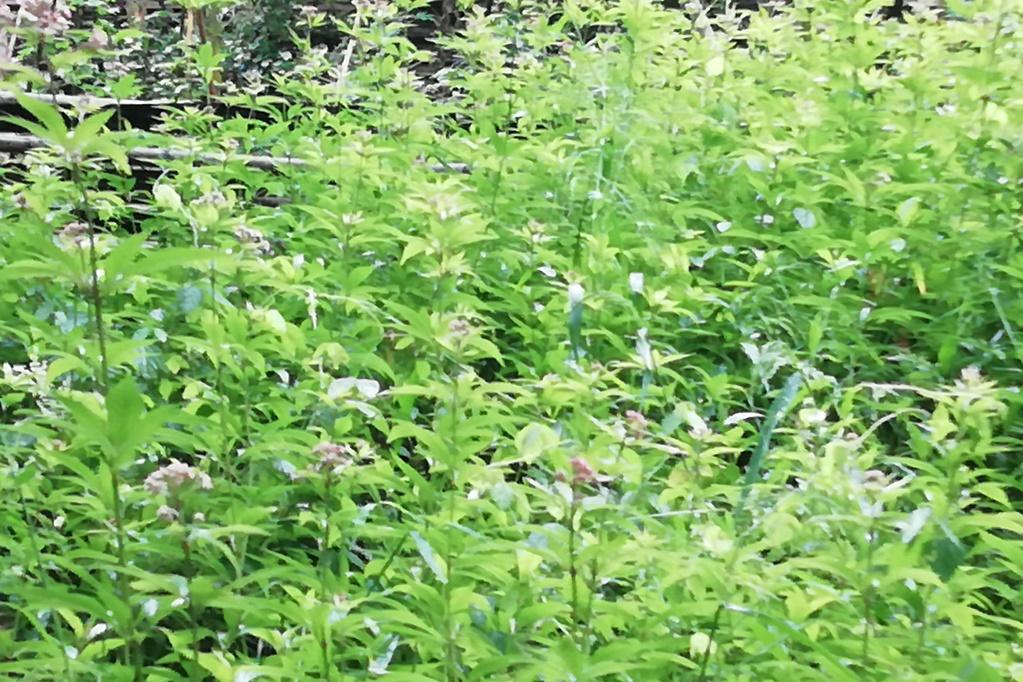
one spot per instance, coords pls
(633, 344)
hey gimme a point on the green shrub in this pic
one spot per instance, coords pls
(634, 344)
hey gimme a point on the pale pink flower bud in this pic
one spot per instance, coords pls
(582, 472)
(333, 455)
(637, 422)
(874, 479)
(459, 327)
(50, 17)
(167, 514)
(98, 40)
(172, 478)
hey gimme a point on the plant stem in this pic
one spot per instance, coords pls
(714, 626)
(868, 597)
(572, 569)
(451, 651)
(96, 295)
(132, 654)
(324, 545)
(43, 577)
(193, 672)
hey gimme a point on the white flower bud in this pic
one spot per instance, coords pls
(576, 293)
(636, 282)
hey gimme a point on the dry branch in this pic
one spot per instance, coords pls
(14, 143)
(90, 101)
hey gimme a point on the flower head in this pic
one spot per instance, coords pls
(333, 455)
(637, 421)
(459, 327)
(98, 40)
(172, 478)
(874, 479)
(50, 17)
(73, 234)
(254, 238)
(167, 514)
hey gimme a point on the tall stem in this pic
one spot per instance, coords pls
(131, 653)
(573, 573)
(95, 293)
(328, 673)
(193, 615)
(714, 626)
(868, 598)
(451, 651)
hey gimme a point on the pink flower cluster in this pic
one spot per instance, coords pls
(333, 455)
(50, 17)
(172, 478)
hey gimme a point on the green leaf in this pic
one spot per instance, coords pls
(27, 269)
(174, 257)
(119, 260)
(778, 409)
(948, 556)
(976, 670)
(125, 409)
(907, 210)
(109, 148)
(436, 563)
(534, 440)
(48, 115)
(716, 65)
(166, 197)
(827, 661)
(215, 663)
(86, 132)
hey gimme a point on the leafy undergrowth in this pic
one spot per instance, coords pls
(640, 345)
